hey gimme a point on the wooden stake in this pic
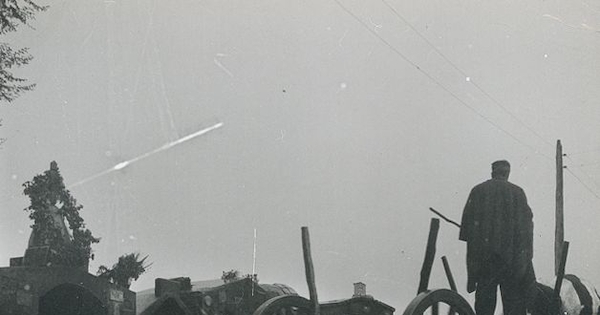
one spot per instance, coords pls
(450, 280)
(561, 268)
(449, 274)
(310, 272)
(435, 308)
(429, 255)
(444, 217)
(559, 236)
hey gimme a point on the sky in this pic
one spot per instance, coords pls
(349, 117)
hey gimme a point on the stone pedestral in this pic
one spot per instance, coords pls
(37, 256)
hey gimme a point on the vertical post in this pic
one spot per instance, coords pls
(449, 274)
(561, 269)
(429, 255)
(435, 308)
(254, 263)
(310, 272)
(559, 236)
(450, 280)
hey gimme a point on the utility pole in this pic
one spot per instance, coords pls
(559, 236)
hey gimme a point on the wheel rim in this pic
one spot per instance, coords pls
(428, 298)
(285, 305)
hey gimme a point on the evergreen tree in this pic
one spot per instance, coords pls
(14, 13)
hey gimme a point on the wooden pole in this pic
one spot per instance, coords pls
(310, 271)
(449, 274)
(559, 236)
(435, 308)
(561, 268)
(444, 217)
(450, 280)
(429, 255)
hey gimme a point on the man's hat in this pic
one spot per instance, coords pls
(500, 165)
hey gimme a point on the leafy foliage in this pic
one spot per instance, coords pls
(48, 190)
(234, 275)
(14, 13)
(230, 276)
(129, 267)
(2, 140)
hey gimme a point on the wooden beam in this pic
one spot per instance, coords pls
(561, 268)
(444, 217)
(429, 255)
(310, 271)
(449, 274)
(559, 236)
(450, 280)
(435, 308)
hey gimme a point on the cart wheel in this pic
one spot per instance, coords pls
(285, 305)
(425, 300)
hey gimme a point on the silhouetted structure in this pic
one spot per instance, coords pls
(181, 296)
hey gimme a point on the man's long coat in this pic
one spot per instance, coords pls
(497, 222)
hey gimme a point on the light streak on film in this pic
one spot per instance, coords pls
(169, 145)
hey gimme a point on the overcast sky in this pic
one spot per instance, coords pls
(349, 117)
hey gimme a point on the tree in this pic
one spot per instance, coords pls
(129, 267)
(14, 13)
(50, 204)
(230, 276)
(234, 275)
(2, 140)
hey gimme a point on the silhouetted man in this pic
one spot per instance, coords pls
(498, 228)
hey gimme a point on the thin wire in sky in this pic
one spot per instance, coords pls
(473, 82)
(585, 152)
(582, 165)
(583, 184)
(430, 77)
(588, 164)
(579, 179)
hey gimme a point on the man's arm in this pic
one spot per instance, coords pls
(524, 236)
(467, 218)
(526, 227)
